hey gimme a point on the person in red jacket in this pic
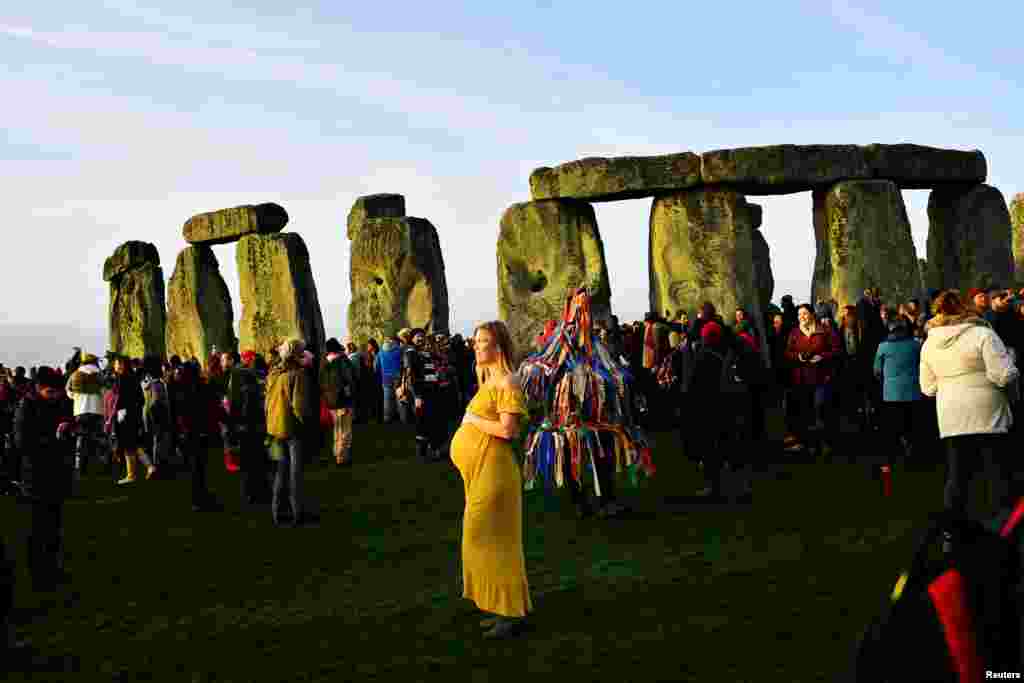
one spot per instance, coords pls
(811, 351)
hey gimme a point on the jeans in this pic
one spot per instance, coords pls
(288, 476)
(89, 428)
(969, 455)
(390, 402)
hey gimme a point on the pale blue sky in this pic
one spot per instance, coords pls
(123, 119)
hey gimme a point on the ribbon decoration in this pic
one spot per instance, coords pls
(586, 396)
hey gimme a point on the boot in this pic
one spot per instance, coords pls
(129, 464)
(505, 628)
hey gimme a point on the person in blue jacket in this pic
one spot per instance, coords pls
(388, 370)
(897, 364)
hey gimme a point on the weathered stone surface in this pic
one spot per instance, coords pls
(136, 313)
(230, 225)
(764, 281)
(1017, 223)
(781, 169)
(397, 278)
(918, 167)
(128, 256)
(600, 179)
(199, 311)
(374, 206)
(546, 249)
(279, 298)
(969, 238)
(864, 241)
(701, 249)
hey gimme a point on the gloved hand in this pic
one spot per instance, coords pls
(121, 415)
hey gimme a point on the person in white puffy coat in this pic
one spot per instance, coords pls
(966, 366)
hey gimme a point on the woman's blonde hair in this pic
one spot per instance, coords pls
(503, 341)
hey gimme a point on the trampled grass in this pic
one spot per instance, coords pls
(777, 590)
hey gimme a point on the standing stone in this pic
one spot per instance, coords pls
(279, 298)
(764, 281)
(1017, 223)
(701, 249)
(969, 238)
(864, 241)
(545, 250)
(199, 311)
(922, 265)
(821, 278)
(230, 225)
(136, 314)
(374, 206)
(397, 276)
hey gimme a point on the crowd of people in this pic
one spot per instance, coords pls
(913, 372)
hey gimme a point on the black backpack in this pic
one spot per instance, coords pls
(953, 615)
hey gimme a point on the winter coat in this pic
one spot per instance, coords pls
(46, 460)
(287, 405)
(820, 343)
(965, 365)
(388, 364)
(85, 388)
(898, 363)
(337, 381)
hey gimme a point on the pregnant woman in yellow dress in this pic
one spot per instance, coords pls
(493, 564)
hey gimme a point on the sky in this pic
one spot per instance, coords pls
(124, 119)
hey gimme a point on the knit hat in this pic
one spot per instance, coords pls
(89, 359)
(248, 357)
(711, 333)
(332, 346)
(973, 292)
(416, 330)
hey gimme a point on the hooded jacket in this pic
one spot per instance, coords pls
(85, 388)
(388, 364)
(287, 401)
(898, 363)
(965, 365)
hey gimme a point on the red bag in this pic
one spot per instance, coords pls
(326, 419)
(232, 461)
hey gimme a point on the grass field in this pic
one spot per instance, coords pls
(775, 591)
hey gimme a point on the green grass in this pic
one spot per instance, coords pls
(774, 591)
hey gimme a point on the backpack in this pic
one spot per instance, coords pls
(952, 617)
(338, 383)
(157, 404)
(252, 395)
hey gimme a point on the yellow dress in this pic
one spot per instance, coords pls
(493, 564)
